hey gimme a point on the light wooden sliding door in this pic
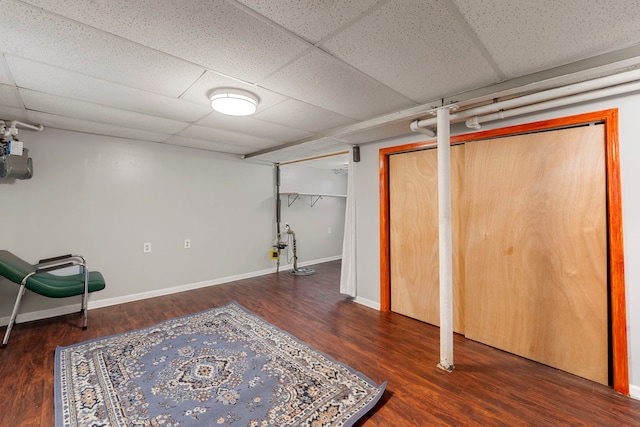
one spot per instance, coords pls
(413, 217)
(530, 266)
(536, 248)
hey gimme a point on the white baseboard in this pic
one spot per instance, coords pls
(304, 264)
(75, 307)
(368, 303)
(43, 314)
(174, 290)
(634, 391)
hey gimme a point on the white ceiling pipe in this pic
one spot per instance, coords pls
(475, 121)
(538, 97)
(26, 125)
(415, 128)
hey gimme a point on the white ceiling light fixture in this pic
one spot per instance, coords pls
(234, 102)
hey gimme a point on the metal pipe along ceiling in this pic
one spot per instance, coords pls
(585, 91)
(475, 121)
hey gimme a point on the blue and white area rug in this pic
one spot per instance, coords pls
(221, 367)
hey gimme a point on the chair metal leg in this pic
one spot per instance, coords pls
(85, 296)
(13, 315)
(83, 310)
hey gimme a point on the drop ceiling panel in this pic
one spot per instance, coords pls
(144, 69)
(377, 133)
(252, 126)
(39, 35)
(311, 19)
(53, 80)
(213, 33)
(11, 113)
(67, 123)
(207, 145)
(8, 97)
(319, 79)
(416, 48)
(528, 36)
(303, 116)
(200, 91)
(72, 108)
(227, 137)
(5, 78)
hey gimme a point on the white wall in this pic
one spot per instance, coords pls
(368, 224)
(104, 197)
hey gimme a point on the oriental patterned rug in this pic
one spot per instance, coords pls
(221, 367)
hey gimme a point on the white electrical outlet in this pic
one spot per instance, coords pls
(329, 231)
(187, 243)
(146, 247)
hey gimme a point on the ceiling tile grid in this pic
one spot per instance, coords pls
(5, 77)
(227, 137)
(212, 33)
(327, 73)
(253, 126)
(208, 145)
(79, 125)
(12, 113)
(319, 79)
(303, 116)
(526, 36)
(312, 20)
(419, 58)
(9, 97)
(57, 81)
(200, 91)
(44, 37)
(38, 101)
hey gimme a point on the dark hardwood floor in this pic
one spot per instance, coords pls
(488, 386)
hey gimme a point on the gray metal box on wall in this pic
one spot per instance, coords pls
(19, 167)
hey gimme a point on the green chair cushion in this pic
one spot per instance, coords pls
(53, 286)
(47, 284)
(14, 268)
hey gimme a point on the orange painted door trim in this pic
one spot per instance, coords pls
(618, 319)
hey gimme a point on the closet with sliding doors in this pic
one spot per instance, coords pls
(530, 244)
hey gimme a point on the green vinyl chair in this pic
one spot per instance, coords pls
(37, 278)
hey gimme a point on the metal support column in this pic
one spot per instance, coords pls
(445, 259)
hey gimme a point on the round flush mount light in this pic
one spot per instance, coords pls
(234, 102)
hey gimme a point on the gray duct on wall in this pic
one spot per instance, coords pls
(19, 167)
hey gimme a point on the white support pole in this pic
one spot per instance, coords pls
(446, 253)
